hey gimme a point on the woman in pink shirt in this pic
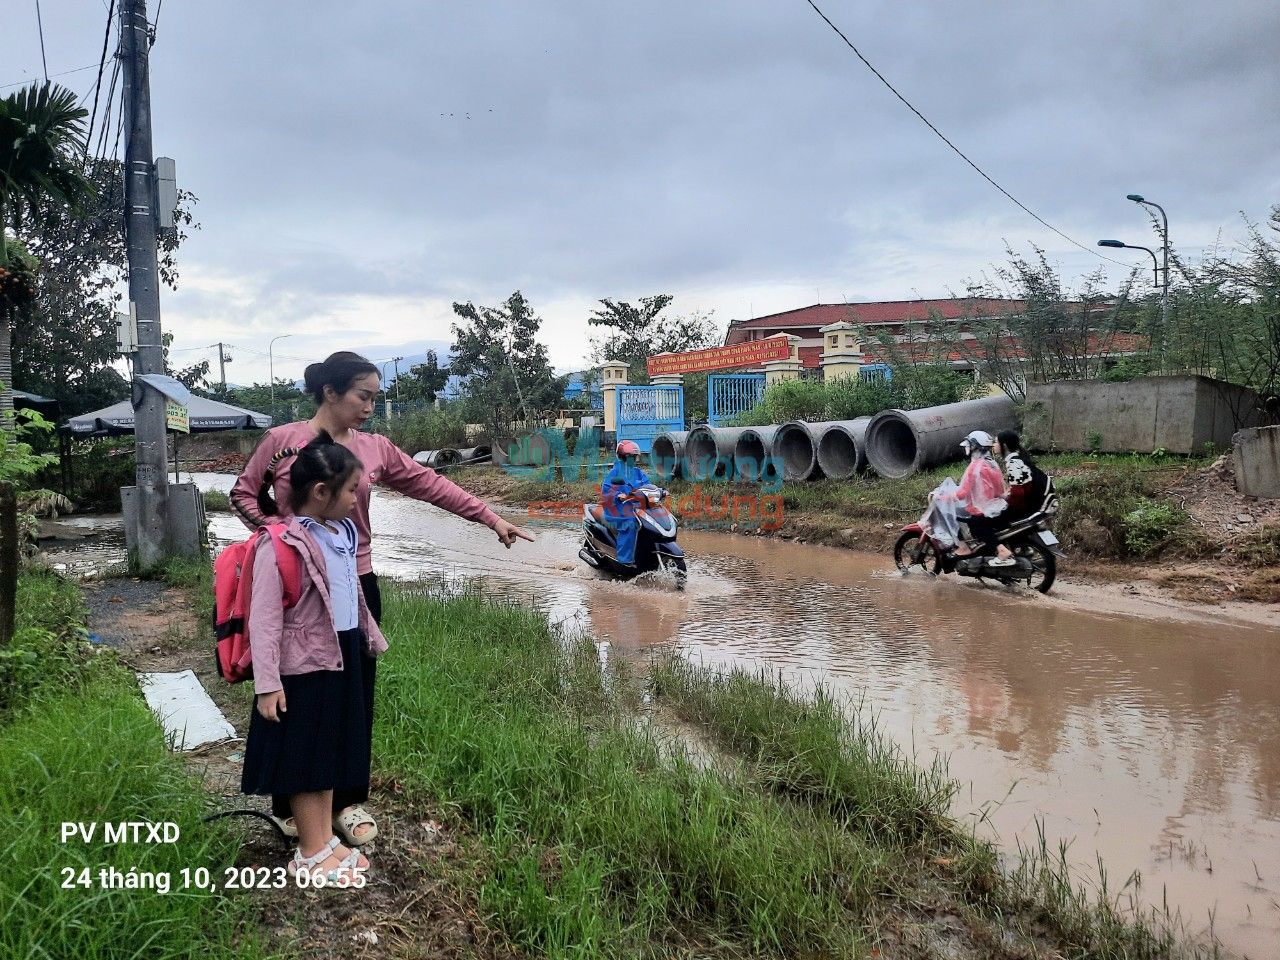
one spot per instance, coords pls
(345, 386)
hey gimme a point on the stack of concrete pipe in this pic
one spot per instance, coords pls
(449, 457)
(901, 442)
(668, 454)
(832, 448)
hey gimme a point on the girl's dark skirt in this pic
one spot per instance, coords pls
(322, 740)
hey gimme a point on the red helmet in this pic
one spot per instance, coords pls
(628, 448)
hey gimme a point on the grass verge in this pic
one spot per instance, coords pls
(78, 745)
(836, 762)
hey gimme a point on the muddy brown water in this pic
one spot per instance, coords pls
(1152, 743)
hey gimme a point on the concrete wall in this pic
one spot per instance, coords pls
(1257, 461)
(1177, 414)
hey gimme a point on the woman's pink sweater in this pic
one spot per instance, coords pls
(384, 463)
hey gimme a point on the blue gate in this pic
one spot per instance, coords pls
(732, 394)
(875, 371)
(645, 412)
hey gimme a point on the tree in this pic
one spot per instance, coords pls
(638, 332)
(258, 398)
(65, 346)
(194, 377)
(423, 381)
(41, 138)
(505, 370)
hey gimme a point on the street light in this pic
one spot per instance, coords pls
(271, 361)
(1164, 295)
(1118, 245)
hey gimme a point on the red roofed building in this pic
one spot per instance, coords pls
(894, 318)
(891, 316)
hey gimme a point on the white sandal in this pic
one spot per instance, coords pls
(346, 823)
(334, 877)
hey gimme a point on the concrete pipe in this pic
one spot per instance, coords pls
(754, 455)
(842, 448)
(900, 442)
(477, 454)
(668, 451)
(708, 452)
(435, 459)
(797, 448)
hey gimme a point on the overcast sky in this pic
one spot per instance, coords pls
(359, 167)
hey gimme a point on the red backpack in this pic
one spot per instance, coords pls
(232, 593)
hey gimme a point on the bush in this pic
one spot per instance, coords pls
(49, 652)
(1124, 499)
(1151, 525)
(911, 388)
(216, 500)
(426, 430)
(99, 468)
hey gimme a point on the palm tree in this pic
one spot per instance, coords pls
(41, 156)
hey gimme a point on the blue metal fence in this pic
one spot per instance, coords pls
(876, 371)
(645, 412)
(731, 394)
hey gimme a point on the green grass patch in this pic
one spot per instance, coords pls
(216, 500)
(196, 577)
(604, 843)
(50, 653)
(811, 749)
(98, 756)
(78, 745)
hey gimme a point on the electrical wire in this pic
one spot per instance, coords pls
(960, 153)
(23, 83)
(103, 131)
(40, 27)
(97, 87)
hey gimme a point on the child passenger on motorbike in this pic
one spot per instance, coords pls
(624, 477)
(983, 494)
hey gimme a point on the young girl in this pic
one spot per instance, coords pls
(308, 732)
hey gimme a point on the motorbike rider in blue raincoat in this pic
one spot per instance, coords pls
(623, 477)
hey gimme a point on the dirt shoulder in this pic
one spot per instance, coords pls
(421, 900)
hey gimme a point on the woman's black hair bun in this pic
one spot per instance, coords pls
(313, 377)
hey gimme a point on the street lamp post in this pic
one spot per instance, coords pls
(1164, 296)
(271, 363)
(1119, 245)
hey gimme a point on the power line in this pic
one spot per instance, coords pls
(97, 87)
(23, 83)
(40, 27)
(960, 153)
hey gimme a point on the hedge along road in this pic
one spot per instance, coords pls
(1151, 743)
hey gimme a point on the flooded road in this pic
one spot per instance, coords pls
(1153, 743)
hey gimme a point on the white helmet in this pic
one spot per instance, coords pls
(977, 440)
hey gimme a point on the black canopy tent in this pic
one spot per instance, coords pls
(51, 410)
(204, 415)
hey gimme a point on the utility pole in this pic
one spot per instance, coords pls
(396, 361)
(223, 360)
(148, 533)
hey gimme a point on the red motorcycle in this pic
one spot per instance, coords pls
(1031, 541)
